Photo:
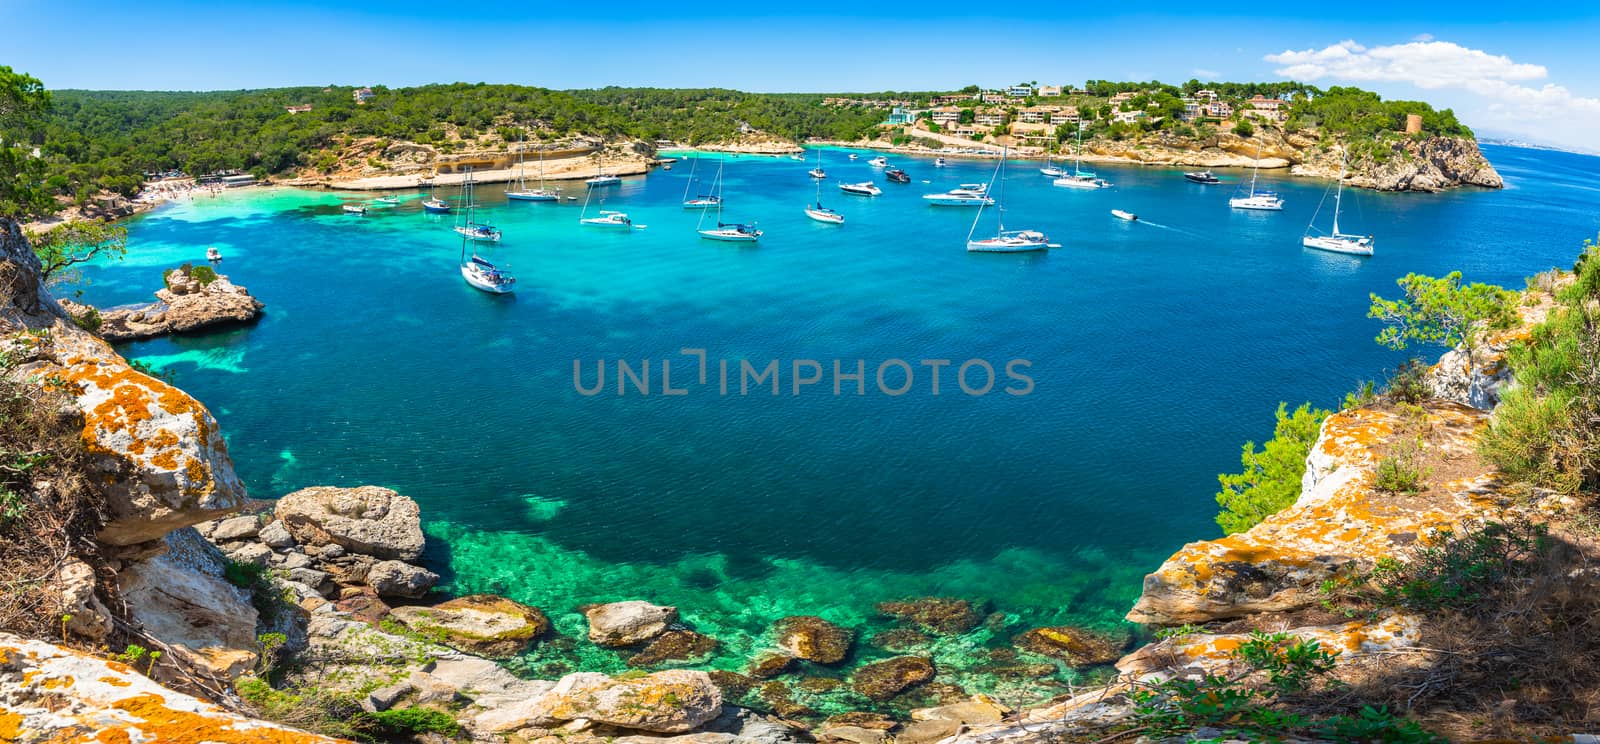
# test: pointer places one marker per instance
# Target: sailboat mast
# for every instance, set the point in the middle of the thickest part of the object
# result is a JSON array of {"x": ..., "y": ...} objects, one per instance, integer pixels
[
  {"x": 1338, "y": 195},
  {"x": 694, "y": 164},
  {"x": 1255, "y": 171}
]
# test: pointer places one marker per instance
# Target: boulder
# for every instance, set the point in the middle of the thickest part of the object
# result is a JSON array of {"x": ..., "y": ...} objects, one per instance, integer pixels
[
  {"x": 980, "y": 709},
  {"x": 673, "y": 701},
  {"x": 251, "y": 553},
  {"x": 884, "y": 679},
  {"x": 183, "y": 306},
  {"x": 89, "y": 617},
  {"x": 1074, "y": 646},
  {"x": 397, "y": 579},
  {"x": 48, "y": 693},
  {"x": 627, "y": 623},
  {"x": 234, "y": 529},
  {"x": 368, "y": 519},
  {"x": 767, "y": 666},
  {"x": 674, "y": 646},
  {"x": 926, "y": 732},
  {"x": 275, "y": 535},
  {"x": 942, "y": 615},
  {"x": 207, "y": 621},
  {"x": 813, "y": 639},
  {"x": 482, "y": 624}
]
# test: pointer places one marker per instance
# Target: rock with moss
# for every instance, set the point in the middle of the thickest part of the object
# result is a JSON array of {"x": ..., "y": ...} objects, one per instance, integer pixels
[
  {"x": 942, "y": 615},
  {"x": 811, "y": 638},
  {"x": 680, "y": 646},
  {"x": 622, "y": 624},
  {"x": 1074, "y": 646},
  {"x": 482, "y": 624},
  {"x": 769, "y": 665},
  {"x": 191, "y": 301},
  {"x": 672, "y": 701},
  {"x": 884, "y": 679}
]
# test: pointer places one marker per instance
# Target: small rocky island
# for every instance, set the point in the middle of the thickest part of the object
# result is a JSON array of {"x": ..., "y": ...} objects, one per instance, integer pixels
[{"x": 195, "y": 298}]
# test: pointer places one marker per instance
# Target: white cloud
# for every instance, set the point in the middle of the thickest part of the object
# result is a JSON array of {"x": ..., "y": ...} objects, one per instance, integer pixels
[
  {"x": 1504, "y": 86},
  {"x": 1422, "y": 37}
]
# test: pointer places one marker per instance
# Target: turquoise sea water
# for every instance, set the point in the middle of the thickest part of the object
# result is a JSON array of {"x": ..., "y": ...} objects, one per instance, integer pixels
[{"x": 1157, "y": 348}]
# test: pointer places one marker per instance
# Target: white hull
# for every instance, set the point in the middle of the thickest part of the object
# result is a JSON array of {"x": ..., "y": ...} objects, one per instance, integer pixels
[
  {"x": 1052, "y": 172},
  {"x": 355, "y": 210},
  {"x": 1005, "y": 245},
  {"x": 878, "y": 162},
  {"x": 1355, "y": 246},
  {"x": 1121, "y": 215},
  {"x": 860, "y": 189},
  {"x": 818, "y": 173},
  {"x": 728, "y": 236},
  {"x": 532, "y": 196},
  {"x": 702, "y": 203},
  {"x": 481, "y": 280},
  {"x": 1073, "y": 182},
  {"x": 830, "y": 217},
  {"x": 603, "y": 222},
  {"x": 1261, "y": 203},
  {"x": 945, "y": 200},
  {"x": 603, "y": 181},
  {"x": 481, "y": 237}
]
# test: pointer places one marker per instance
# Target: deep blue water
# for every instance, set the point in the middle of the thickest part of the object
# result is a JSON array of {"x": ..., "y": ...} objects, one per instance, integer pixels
[{"x": 1157, "y": 348}]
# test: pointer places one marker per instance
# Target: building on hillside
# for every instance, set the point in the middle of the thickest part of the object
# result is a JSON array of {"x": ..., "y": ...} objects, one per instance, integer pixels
[
  {"x": 1019, "y": 91},
  {"x": 989, "y": 117},
  {"x": 1123, "y": 97},
  {"x": 1036, "y": 114},
  {"x": 963, "y": 130},
  {"x": 1262, "y": 107},
  {"x": 901, "y": 116},
  {"x": 1218, "y": 110},
  {"x": 992, "y": 96},
  {"x": 1129, "y": 117},
  {"x": 1206, "y": 95},
  {"x": 362, "y": 95},
  {"x": 1192, "y": 109},
  {"x": 952, "y": 98},
  {"x": 301, "y": 109},
  {"x": 1049, "y": 91},
  {"x": 1413, "y": 124},
  {"x": 1064, "y": 115},
  {"x": 945, "y": 115}
]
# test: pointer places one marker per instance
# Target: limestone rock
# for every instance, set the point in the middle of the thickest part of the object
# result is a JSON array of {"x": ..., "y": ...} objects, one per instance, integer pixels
[
  {"x": 1212, "y": 652},
  {"x": 1074, "y": 646},
  {"x": 768, "y": 666},
  {"x": 49, "y": 693},
  {"x": 183, "y": 306},
  {"x": 926, "y": 732},
  {"x": 397, "y": 579},
  {"x": 275, "y": 535},
  {"x": 884, "y": 679},
  {"x": 252, "y": 553},
  {"x": 482, "y": 624},
  {"x": 234, "y": 529},
  {"x": 814, "y": 639},
  {"x": 674, "y": 646},
  {"x": 628, "y": 623},
  {"x": 673, "y": 701},
  {"x": 90, "y": 617},
  {"x": 203, "y": 617},
  {"x": 942, "y": 615},
  {"x": 369, "y": 520},
  {"x": 980, "y": 709}
]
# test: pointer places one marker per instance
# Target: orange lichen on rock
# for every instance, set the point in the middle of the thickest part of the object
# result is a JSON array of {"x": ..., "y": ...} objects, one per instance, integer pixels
[
  {"x": 1211, "y": 652},
  {"x": 154, "y": 719},
  {"x": 114, "y": 681}
]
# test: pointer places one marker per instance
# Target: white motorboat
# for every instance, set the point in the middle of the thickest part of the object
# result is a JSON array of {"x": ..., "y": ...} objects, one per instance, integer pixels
[
  {"x": 1121, "y": 215},
  {"x": 865, "y": 188},
  {"x": 967, "y": 195},
  {"x": 879, "y": 162},
  {"x": 607, "y": 218},
  {"x": 1337, "y": 242},
  {"x": 940, "y": 162},
  {"x": 388, "y": 201},
  {"x": 354, "y": 209},
  {"x": 1265, "y": 201},
  {"x": 854, "y": 156},
  {"x": 1004, "y": 241},
  {"x": 213, "y": 255}
]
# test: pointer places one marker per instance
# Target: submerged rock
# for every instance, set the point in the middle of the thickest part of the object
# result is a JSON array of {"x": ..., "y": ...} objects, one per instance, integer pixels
[
  {"x": 674, "y": 645},
  {"x": 1074, "y": 646},
  {"x": 629, "y": 623},
  {"x": 482, "y": 624},
  {"x": 767, "y": 666},
  {"x": 368, "y": 520},
  {"x": 672, "y": 701},
  {"x": 885, "y": 679},
  {"x": 942, "y": 615},
  {"x": 811, "y": 638}
]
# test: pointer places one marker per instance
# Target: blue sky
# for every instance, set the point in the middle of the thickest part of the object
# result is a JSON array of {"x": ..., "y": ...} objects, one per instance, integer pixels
[{"x": 1526, "y": 70}]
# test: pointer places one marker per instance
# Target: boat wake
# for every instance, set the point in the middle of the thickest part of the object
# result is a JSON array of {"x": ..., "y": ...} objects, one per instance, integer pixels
[{"x": 1148, "y": 223}]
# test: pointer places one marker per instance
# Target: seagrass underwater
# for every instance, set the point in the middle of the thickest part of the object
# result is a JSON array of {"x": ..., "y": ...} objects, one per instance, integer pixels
[{"x": 892, "y": 377}]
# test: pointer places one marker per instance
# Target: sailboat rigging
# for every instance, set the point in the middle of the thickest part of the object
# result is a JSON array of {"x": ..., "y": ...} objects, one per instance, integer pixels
[
  {"x": 1260, "y": 200},
  {"x": 522, "y": 192},
  {"x": 1004, "y": 241},
  {"x": 470, "y": 228},
  {"x": 1338, "y": 242}
]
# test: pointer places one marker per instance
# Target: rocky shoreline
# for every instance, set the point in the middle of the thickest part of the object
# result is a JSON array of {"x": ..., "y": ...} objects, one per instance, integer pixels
[{"x": 191, "y": 302}]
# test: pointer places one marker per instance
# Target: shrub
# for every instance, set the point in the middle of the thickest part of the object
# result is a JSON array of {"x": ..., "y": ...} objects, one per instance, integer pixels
[
  {"x": 1546, "y": 430},
  {"x": 1361, "y": 397},
  {"x": 1244, "y": 128},
  {"x": 1402, "y": 471},
  {"x": 321, "y": 711},
  {"x": 1409, "y": 383},
  {"x": 407, "y": 722},
  {"x": 1375, "y": 724},
  {"x": 89, "y": 321},
  {"x": 1457, "y": 571},
  {"x": 1271, "y": 477},
  {"x": 243, "y": 575}
]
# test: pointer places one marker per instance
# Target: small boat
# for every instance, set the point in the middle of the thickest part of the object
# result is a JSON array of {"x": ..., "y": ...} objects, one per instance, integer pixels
[
  {"x": 854, "y": 156},
  {"x": 387, "y": 200},
  {"x": 354, "y": 209},
  {"x": 823, "y": 214},
  {"x": 732, "y": 232},
  {"x": 484, "y": 275},
  {"x": 968, "y": 195},
  {"x": 702, "y": 201},
  {"x": 798, "y": 156},
  {"x": 940, "y": 162},
  {"x": 522, "y": 192},
  {"x": 879, "y": 162},
  {"x": 1050, "y": 170},
  {"x": 1121, "y": 215},
  {"x": 607, "y": 218},
  {"x": 435, "y": 205},
  {"x": 213, "y": 255},
  {"x": 1004, "y": 241},
  {"x": 1204, "y": 176},
  {"x": 1337, "y": 242},
  {"x": 1080, "y": 178},
  {"x": 470, "y": 228},
  {"x": 897, "y": 175},
  {"x": 601, "y": 179},
  {"x": 865, "y": 188},
  {"x": 1265, "y": 201},
  {"x": 818, "y": 172}
]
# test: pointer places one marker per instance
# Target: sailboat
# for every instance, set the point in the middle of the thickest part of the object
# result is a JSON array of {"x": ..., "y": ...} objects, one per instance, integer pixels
[
  {"x": 601, "y": 179},
  {"x": 607, "y": 218},
  {"x": 1359, "y": 245},
  {"x": 732, "y": 232},
  {"x": 818, "y": 172},
  {"x": 522, "y": 192},
  {"x": 1050, "y": 169},
  {"x": 470, "y": 228},
  {"x": 1005, "y": 241},
  {"x": 821, "y": 213},
  {"x": 482, "y": 274},
  {"x": 1261, "y": 200},
  {"x": 1080, "y": 178},
  {"x": 702, "y": 201}
]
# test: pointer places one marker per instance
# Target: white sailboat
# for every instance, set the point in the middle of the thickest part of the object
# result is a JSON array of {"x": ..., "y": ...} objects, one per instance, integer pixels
[
  {"x": 1338, "y": 242},
  {"x": 522, "y": 192},
  {"x": 729, "y": 232},
  {"x": 1005, "y": 241},
  {"x": 607, "y": 218},
  {"x": 1080, "y": 178},
  {"x": 601, "y": 179},
  {"x": 470, "y": 228},
  {"x": 1050, "y": 170},
  {"x": 482, "y": 274},
  {"x": 1266, "y": 201},
  {"x": 818, "y": 172},
  {"x": 702, "y": 201},
  {"x": 823, "y": 214}
]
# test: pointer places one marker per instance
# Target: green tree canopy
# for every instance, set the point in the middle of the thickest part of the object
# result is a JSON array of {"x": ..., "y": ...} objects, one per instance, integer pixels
[
  {"x": 1442, "y": 311},
  {"x": 23, "y": 100},
  {"x": 1270, "y": 481},
  {"x": 77, "y": 242}
]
